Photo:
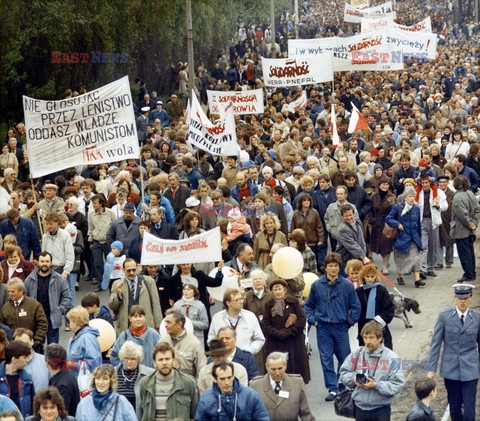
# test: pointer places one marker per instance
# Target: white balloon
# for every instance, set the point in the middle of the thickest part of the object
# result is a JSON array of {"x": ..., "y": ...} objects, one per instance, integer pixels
[
  {"x": 287, "y": 262},
  {"x": 230, "y": 280},
  {"x": 188, "y": 327}
]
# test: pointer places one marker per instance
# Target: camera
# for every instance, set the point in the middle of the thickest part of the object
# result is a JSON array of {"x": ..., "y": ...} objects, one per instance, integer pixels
[{"x": 361, "y": 378}]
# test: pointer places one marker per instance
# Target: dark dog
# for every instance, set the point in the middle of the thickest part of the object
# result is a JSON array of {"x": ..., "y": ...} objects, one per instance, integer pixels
[{"x": 402, "y": 305}]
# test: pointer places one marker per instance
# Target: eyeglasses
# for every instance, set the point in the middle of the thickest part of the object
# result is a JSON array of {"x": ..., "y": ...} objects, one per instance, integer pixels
[{"x": 130, "y": 270}]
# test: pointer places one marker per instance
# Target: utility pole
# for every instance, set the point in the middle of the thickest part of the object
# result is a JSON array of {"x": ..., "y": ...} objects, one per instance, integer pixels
[
  {"x": 191, "y": 68},
  {"x": 272, "y": 24},
  {"x": 296, "y": 18}
]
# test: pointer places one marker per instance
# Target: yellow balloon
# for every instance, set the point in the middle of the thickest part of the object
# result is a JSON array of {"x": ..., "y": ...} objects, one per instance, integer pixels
[
  {"x": 107, "y": 333},
  {"x": 287, "y": 262},
  {"x": 309, "y": 278}
]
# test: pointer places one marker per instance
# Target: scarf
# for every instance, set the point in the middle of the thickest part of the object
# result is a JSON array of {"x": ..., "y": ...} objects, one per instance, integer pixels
[
  {"x": 138, "y": 331},
  {"x": 406, "y": 209},
  {"x": 188, "y": 300},
  {"x": 370, "y": 314},
  {"x": 278, "y": 308},
  {"x": 100, "y": 400}
]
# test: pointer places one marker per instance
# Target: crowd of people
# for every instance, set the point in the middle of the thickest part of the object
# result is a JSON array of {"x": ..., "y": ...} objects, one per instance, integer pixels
[{"x": 407, "y": 185}]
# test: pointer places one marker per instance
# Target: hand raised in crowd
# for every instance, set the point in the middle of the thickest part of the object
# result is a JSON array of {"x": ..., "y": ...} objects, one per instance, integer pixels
[
  {"x": 119, "y": 288},
  {"x": 221, "y": 264}
]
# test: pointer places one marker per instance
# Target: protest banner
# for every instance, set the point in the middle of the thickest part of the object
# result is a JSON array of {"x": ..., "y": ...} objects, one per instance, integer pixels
[
  {"x": 354, "y": 15},
  {"x": 374, "y": 24},
  {"x": 301, "y": 102},
  {"x": 311, "y": 47},
  {"x": 419, "y": 44},
  {"x": 290, "y": 72},
  {"x": 219, "y": 138},
  {"x": 244, "y": 102},
  {"x": 88, "y": 129},
  {"x": 375, "y": 41},
  {"x": 360, "y": 4},
  {"x": 358, "y": 61},
  {"x": 204, "y": 247}
]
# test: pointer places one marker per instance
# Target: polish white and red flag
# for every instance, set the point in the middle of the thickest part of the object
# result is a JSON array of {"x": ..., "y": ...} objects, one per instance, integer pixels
[
  {"x": 357, "y": 121},
  {"x": 333, "y": 128}
]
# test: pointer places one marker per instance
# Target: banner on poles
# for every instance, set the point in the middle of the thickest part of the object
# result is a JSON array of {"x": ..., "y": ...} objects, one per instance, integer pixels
[
  {"x": 244, "y": 102},
  {"x": 92, "y": 128},
  {"x": 204, "y": 247},
  {"x": 374, "y": 24},
  {"x": 219, "y": 138},
  {"x": 354, "y": 15},
  {"x": 418, "y": 44},
  {"x": 292, "y": 72}
]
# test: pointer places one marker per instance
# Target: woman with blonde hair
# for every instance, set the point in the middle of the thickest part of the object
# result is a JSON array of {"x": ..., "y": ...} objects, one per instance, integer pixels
[
  {"x": 83, "y": 347},
  {"x": 104, "y": 403},
  {"x": 268, "y": 235}
]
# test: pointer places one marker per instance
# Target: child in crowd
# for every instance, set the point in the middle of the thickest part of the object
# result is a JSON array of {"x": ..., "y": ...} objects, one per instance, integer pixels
[
  {"x": 9, "y": 240},
  {"x": 91, "y": 302},
  {"x": 425, "y": 171},
  {"x": 237, "y": 227},
  {"x": 113, "y": 266},
  {"x": 352, "y": 269},
  {"x": 426, "y": 391},
  {"x": 194, "y": 309}
]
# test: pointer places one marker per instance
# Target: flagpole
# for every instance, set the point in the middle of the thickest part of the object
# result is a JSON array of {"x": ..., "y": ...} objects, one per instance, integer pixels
[{"x": 36, "y": 203}]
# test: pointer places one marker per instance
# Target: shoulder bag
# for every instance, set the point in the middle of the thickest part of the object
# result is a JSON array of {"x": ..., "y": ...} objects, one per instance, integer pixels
[{"x": 390, "y": 232}]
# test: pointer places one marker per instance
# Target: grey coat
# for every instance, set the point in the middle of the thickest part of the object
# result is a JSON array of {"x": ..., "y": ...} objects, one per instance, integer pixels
[
  {"x": 455, "y": 365},
  {"x": 465, "y": 212},
  {"x": 351, "y": 244},
  {"x": 280, "y": 408},
  {"x": 118, "y": 231},
  {"x": 58, "y": 295}
]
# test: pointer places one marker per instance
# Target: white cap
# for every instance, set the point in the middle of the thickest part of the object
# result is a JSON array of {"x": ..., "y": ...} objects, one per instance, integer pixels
[
  {"x": 191, "y": 202},
  {"x": 145, "y": 109}
]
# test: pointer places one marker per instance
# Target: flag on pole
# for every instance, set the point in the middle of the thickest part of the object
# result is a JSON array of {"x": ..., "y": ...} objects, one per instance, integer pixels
[
  {"x": 333, "y": 127},
  {"x": 357, "y": 120}
]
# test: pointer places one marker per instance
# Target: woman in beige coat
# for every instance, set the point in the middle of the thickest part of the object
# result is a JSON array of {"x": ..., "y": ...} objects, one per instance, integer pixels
[{"x": 268, "y": 235}]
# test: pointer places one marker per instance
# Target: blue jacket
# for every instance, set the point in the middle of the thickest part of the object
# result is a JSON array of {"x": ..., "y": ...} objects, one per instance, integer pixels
[
  {"x": 234, "y": 192},
  {"x": 104, "y": 314},
  {"x": 147, "y": 341},
  {"x": 193, "y": 178},
  {"x": 161, "y": 115},
  {"x": 321, "y": 202},
  {"x": 242, "y": 404},
  {"x": 84, "y": 346},
  {"x": 472, "y": 176},
  {"x": 86, "y": 410},
  {"x": 332, "y": 303},
  {"x": 27, "y": 391},
  {"x": 26, "y": 235},
  {"x": 169, "y": 213},
  {"x": 412, "y": 228}
]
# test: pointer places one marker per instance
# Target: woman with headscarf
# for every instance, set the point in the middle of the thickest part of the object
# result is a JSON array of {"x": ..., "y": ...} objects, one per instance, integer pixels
[{"x": 405, "y": 216}]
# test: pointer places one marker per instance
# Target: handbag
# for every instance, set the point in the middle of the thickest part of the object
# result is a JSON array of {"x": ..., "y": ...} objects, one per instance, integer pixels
[
  {"x": 343, "y": 404},
  {"x": 83, "y": 380},
  {"x": 391, "y": 232}
]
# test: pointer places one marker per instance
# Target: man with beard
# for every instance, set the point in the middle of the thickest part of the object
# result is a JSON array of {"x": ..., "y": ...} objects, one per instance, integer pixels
[
  {"x": 51, "y": 290},
  {"x": 243, "y": 188},
  {"x": 167, "y": 393}
]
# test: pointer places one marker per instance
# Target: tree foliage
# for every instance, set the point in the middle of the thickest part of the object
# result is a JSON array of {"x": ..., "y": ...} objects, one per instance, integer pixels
[{"x": 152, "y": 33}]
